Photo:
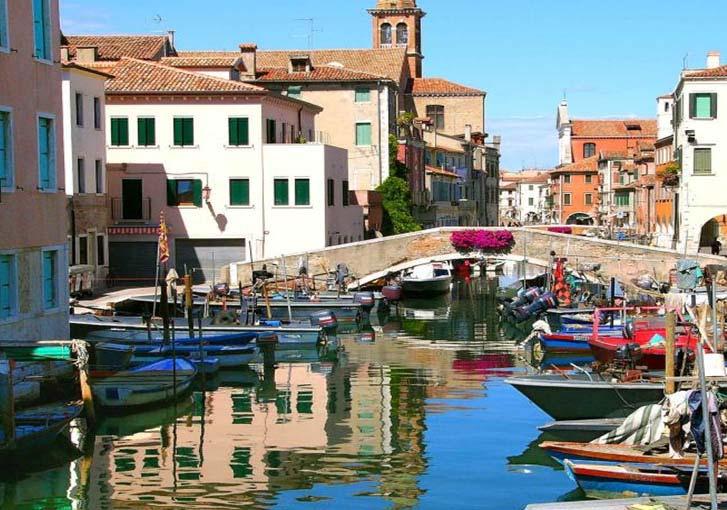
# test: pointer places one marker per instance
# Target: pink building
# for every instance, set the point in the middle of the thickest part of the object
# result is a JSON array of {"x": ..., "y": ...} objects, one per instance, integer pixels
[{"x": 33, "y": 269}]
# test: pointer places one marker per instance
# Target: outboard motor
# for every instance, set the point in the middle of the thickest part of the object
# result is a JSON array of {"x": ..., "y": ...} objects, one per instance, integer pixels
[
  {"x": 225, "y": 318},
  {"x": 628, "y": 355},
  {"x": 365, "y": 299},
  {"x": 325, "y": 319},
  {"x": 392, "y": 293}
]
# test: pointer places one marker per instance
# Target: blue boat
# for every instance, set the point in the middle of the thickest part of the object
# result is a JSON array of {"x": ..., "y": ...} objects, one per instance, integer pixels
[
  {"x": 37, "y": 428},
  {"x": 136, "y": 338},
  {"x": 228, "y": 356},
  {"x": 611, "y": 480}
]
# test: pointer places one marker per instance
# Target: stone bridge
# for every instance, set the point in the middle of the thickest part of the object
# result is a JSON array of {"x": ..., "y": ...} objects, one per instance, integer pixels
[{"x": 534, "y": 244}]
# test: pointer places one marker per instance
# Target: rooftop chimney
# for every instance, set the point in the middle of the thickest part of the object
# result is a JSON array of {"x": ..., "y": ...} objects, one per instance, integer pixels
[
  {"x": 86, "y": 54},
  {"x": 713, "y": 59},
  {"x": 248, "y": 52}
]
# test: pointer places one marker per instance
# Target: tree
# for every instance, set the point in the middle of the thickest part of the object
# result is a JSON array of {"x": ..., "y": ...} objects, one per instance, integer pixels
[{"x": 396, "y": 199}]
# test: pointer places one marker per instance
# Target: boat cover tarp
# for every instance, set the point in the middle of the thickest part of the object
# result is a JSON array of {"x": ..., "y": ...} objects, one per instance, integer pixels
[{"x": 165, "y": 365}]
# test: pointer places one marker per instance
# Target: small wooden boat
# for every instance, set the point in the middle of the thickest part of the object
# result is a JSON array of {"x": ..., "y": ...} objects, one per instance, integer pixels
[
  {"x": 36, "y": 428},
  {"x": 144, "y": 385},
  {"x": 653, "y": 356},
  {"x": 205, "y": 365},
  {"x": 427, "y": 279},
  {"x": 608, "y": 481},
  {"x": 584, "y": 396},
  {"x": 137, "y": 338},
  {"x": 111, "y": 356},
  {"x": 228, "y": 356}
]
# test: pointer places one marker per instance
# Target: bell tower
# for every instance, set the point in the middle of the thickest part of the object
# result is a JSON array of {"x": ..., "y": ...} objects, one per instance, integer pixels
[{"x": 398, "y": 23}]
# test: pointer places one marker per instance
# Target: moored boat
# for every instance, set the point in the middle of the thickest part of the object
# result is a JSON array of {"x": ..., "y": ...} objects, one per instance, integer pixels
[
  {"x": 227, "y": 356},
  {"x": 642, "y": 348},
  {"x": 130, "y": 337},
  {"x": 36, "y": 428},
  {"x": 427, "y": 279}
]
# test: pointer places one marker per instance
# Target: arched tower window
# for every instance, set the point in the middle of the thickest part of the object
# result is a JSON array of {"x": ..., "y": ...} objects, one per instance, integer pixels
[
  {"x": 385, "y": 33},
  {"x": 402, "y": 33}
]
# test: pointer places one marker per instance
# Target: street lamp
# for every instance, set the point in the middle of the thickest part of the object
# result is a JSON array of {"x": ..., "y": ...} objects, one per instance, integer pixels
[{"x": 206, "y": 194}]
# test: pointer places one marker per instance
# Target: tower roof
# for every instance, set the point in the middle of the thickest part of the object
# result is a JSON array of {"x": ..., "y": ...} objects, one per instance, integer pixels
[{"x": 395, "y": 4}]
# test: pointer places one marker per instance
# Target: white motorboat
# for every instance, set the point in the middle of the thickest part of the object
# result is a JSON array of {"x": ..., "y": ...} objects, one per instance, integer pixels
[{"x": 427, "y": 279}]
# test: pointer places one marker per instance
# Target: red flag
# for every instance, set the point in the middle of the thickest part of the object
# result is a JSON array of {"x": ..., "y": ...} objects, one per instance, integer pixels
[{"x": 163, "y": 239}]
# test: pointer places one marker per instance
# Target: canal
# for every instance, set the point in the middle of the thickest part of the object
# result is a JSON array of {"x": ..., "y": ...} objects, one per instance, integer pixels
[{"x": 413, "y": 414}]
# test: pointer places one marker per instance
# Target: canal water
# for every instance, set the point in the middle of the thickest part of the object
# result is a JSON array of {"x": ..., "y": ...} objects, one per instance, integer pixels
[{"x": 412, "y": 414}]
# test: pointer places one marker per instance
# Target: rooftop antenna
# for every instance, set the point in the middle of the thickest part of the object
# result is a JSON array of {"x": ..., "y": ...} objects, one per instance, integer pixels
[
  {"x": 565, "y": 94},
  {"x": 312, "y": 30},
  {"x": 685, "y": 61},
  {"x": 157, "y": 19}
]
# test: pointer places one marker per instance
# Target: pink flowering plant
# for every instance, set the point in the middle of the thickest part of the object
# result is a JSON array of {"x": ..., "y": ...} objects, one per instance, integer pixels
[{"x": 485, "y": 241}]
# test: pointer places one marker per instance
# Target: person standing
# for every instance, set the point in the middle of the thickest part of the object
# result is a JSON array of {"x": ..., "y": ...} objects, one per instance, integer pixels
[{"x": 716, "y": 246}]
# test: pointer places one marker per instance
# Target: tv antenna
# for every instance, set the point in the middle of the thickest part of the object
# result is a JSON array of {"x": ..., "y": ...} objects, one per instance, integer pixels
[
  {"x": 157, "y": 19},
  {"x": 312, "y": 30},
  {"x": 685, "y": 61}
]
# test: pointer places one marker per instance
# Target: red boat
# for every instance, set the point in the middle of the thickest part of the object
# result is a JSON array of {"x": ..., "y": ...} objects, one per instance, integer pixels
[{"x": 653, "y": 355}]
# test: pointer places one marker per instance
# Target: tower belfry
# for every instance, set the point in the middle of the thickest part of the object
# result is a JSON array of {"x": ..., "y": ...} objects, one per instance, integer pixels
[{"x": 398, "y": 23}]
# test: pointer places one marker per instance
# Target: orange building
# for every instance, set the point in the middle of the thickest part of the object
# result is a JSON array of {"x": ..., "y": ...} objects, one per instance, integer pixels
[{"x": 574, "y": 192}]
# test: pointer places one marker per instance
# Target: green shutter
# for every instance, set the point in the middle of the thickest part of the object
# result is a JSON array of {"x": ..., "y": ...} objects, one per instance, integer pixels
[
  {"x": 124, "y": 131},
  {"x": 363, "y": 95},
  {"x": 243, "y": 131},
  {"x": 280, "y": 189},
  {"x": 44, "y": 153},
  {"x": 120, "y": 132},
  {"x": 5, "y": 291},
  {"x": 702, "y": 106},
  {"x": 238, "y": 128},
  {"x": 363, "y": 133},
  {"x": 344, "y": 193},
  {"x": 4, "y": 146},
  {"x": 146, "y": 131},
  {"x": 232, "y": 132},
  {"x": 172, "y": 199},
  {"x": 302, "y": 192},
  {"x": 702, "y": 161},
  {"x": 188, "y": 132},
  {"x": 49, "y": 279},
  {"x": 197, "y": 190},
  {"x": 178, "y": 132},
  {"x": 141, "y": 132},
  {"x": 3, "y": 24},
  {"x": 114, "y": 132},
  {"x": 239, "y": 192},
  {"x": 713, "y": 104},
  {"x": 39, "y": 29}
]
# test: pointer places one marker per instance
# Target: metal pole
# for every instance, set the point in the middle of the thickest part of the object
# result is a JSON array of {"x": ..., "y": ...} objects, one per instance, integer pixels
[
  {"x": 287, "y": 290},
  {"x": 716, "y": 339},
  {"x": 188, "y": 303},
  {"x": 708, "y": 428},
  {"x": 156, "y": 286},
  {"x": 669, "y": 346}
]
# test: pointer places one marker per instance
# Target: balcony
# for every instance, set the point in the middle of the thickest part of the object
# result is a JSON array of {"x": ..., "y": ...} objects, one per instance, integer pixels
[{"x": 131, "y": 211}]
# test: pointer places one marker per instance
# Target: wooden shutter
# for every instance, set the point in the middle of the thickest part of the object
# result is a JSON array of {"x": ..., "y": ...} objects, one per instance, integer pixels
[
  {"x": 141, "y": 129},
  {"x": 123, "y": 131},
  {"x": 281, "y": 191},
  {"x": 239, "y": 192},
  {"x": 172, "y": 199},
  {"x": 39, "y": 28},
  {"x": 692, "y": 105},
  {"x": 243, "y": 131},
  {"x": 713, "y": 105},
  {"x": 302, "y": 192},
  {"x": 702, "y": 161},
  {"x": 43, "y": 153},
  {"x": 188, "y": 138},
  {"x": 178, "y": 132},
  {"x": 232, "y": 129},
  {"x": 344, "y": 192},
  {"x": 4, "y": 145},
  {"x": 5, "y": 275},
  {"x": 197, "y": 190},
  {"x": 49, "y": 279}
]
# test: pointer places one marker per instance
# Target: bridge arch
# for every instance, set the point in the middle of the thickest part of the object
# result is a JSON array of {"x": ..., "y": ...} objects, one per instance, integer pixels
[{"x": 580, "y": 218}]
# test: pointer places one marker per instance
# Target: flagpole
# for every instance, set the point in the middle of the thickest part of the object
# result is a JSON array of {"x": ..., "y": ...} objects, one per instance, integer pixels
[{"x": 156, "y": 285}]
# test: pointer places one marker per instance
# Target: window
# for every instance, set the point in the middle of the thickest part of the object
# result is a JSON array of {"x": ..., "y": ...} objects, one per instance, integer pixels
[
  {"x": 81, "y": 175},
  {"x": 363, "y": 133},
  {"x": 566, "y": 179},
  {"x": 238, "y": 131},
  {"x": 183, "y": 131},
  {"x": 402, "y": 34},
  {"x": 702, "y": 161},
  {"x": 385, "y": 34},
  {"x": 99, "y": 178},
  {"x": 42, "y": 29},
  {"x": 83, "y": 250},
  {"x": 97, "y": 113},
  {"x": 270, "y": 131},
  {"x": 436, "y": 113},
  {"x": 119, "y": 131},
  {"x": 46, "y": 154},
  {"x": 8, "y": 284},
  {"x": 300, "y": 65},
  {"x": 531, "y": 201},
  {"x": 363, "y": 95},
  {"x": 4, "y": 43},
  {"x": 330, "y": 193},
  {"x": 589, "y": 150},
  {"x": 702, "y": 106},
  {"x": 79, "y": 109},
  {"x": 666, "y": 106},
  {"x": 184, "y": 192},
  {"x": 6, "y": 149},
  {"x": 344, "y": 192},
  {"x": 588, "y": 179},
  {"x": 283, "y": 132},
  {"x": 622, "y": 199},
  {"x": 530, "y": 186},
  {"x": 239, "y": 191},
  {"x": 280, "y": 191},
  {"x": 302, "y": 192},
  {"x": 100, "y": 250},
  {"x": 294, "y": 91},
  {"x": 566, "y": 199},
  {"x": 588, "y": 199},
  {"x": 50, "y": 277},
  {"x": 146, "y": 131}
]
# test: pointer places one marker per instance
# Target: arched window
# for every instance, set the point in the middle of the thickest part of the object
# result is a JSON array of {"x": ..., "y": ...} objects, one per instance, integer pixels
[
  {"x": 386, "y": 33},
  {"x": 589, "y": 149},
  {"x": 402, "y": 34}
]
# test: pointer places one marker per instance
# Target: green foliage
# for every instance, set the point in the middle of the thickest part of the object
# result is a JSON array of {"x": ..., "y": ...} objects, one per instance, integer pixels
[
  {"x": 397, "y": 207},
  {"x": 396, "y": 167}
]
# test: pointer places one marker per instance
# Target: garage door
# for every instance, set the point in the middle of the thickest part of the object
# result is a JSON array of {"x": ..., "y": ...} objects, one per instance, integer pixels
[
  {"x": 206, "y": 257},
  {"x": 132, "y": 263}
]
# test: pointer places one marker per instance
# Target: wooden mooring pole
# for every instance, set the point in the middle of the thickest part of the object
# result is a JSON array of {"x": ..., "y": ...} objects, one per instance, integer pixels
[
  {"x": 7, "y": 402},
  {"x": 671, "y": 322}
]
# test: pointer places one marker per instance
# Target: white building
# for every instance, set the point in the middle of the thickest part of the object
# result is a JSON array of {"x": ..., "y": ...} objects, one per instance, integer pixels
[
  {"x": 532, "y": 192},
  {"x": 700, "y": 122},
  {"x": 211, "y": 153},
  {"x": 84, "y": 144}
]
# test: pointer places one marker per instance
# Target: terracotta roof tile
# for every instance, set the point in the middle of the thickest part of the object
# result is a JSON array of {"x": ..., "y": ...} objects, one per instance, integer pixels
[
  {"x": 588, "y": 165},
  {"x": 317, "y": 74},
  {"x": 441, "y": 87},
  {"x": 614, "y": 128},
  {"x": 440, "y": 171},
  {"x": 142, "y": 77},
  {"x": 113, "y": 47},
  {"x": 716, "y": 72},
  {"x": 223, "y": 61}
]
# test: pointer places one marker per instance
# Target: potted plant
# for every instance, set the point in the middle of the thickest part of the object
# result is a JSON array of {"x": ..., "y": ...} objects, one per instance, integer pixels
[{"x": 670, "y": 174}]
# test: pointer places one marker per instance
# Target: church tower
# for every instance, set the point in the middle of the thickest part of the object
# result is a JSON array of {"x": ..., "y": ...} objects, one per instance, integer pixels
[{"x": 398, "y": 23}]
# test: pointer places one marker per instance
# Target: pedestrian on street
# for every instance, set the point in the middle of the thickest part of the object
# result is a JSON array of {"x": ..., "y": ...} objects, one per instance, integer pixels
[{"x": 716, "y": 246}]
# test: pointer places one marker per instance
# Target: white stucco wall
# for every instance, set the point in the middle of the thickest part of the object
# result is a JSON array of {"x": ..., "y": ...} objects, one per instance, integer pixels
[{"x": 701, "y": 196}]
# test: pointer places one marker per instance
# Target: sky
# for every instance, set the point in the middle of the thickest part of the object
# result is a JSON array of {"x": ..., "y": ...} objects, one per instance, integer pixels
[{"x": 610, "y": 59}]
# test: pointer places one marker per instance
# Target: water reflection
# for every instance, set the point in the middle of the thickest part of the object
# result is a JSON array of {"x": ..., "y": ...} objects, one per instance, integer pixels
[{"x": 408, "y": 413}]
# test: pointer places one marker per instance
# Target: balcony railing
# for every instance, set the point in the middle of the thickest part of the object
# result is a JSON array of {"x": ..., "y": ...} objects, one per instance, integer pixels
[{"x": 139, "y": 212}]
